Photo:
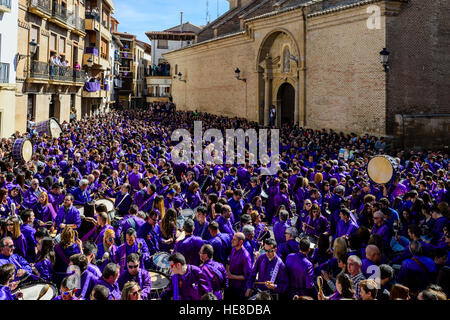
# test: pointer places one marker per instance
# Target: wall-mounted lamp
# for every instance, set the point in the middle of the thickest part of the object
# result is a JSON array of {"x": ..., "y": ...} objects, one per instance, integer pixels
[
  {"x": 384, "y": 56},
  {"x": 237, "y": 72},
  {"x": 90, "y": 62},
  {"x": 180, "y": 75},
  {"x": 33, "y": 49}
]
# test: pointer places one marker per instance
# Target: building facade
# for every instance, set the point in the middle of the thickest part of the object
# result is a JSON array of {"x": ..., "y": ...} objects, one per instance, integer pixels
[
  {"x": 8, "y": 57},
  {"x": 318, "y": 62},
  {"x": 46, "y": 86},
  {"x": 96, "y": 92},
  {"x": 159, "y": 79}
]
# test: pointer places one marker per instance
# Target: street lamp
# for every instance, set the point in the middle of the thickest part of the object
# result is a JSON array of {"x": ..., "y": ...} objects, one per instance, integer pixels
[
  {"x": 384, "y": 56},
  {"x": 90, "y": 62},
  {"x": 33, "y": 49},
  {"x": 237, "y": 72}
]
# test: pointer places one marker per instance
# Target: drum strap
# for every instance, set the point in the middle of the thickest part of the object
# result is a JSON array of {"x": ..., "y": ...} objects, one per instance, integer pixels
[
  {"x": 212, "y": 268},
  {"x": 176, "y": 294},
  {"x": 143, "y": 205},
  {"x": 52, "y": 210},
  {"x": 275, "y": 269},
  {"x": 126, "y": 195},
  {"x": 61, "y": 254}
]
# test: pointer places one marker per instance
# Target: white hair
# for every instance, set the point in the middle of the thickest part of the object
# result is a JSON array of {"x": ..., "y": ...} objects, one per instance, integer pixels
[{"x": 84, "y": 182}]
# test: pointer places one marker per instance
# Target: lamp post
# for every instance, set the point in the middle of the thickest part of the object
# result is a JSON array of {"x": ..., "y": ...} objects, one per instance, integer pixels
[
  {"x": 384, "y": 57},
  {"x": 180, "y": 75}
]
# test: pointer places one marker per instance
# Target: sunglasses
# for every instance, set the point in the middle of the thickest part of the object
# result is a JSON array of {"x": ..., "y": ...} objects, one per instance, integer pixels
[
  {"x": 111, "y": 239},
  {"x": 10, "y": 246},
  {"x": 308, "y": 204},
  {"x": 135, "y": 293},
  {"x": 66, "y": 293},
  {"x": 133, "y": 267},
  {"x": 271, "y": 250}
]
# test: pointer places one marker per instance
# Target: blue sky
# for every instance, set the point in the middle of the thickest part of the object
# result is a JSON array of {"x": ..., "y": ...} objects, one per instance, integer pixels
[{"x": 139, "y": 16}]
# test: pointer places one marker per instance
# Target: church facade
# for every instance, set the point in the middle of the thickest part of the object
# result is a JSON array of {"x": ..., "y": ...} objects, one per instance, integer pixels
[{"x": 318, "y": 62}]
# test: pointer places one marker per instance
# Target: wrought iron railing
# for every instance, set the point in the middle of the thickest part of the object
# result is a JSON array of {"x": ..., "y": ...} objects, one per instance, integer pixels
[
  {"x": 43, "y": 5},
  {"x": 39, "y": 70},
  {"x": 4, "y": 72},
  {"x": 5, "y": 3}
]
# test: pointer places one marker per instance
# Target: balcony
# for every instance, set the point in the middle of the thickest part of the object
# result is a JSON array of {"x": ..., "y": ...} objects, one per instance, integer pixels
[
  {"x": 5, "y": 5},
  {"x": 80, "y": 26},
  {"x": 4, "y": 72},
  {"x": 91, "y": 52},
  {"x": 126, "y": 55},
  {"x": 92, "y": 22},
  {"x": 40, "y": 8},
  {"x": 95, "y": 90},
  {"x": 62, "y": 17},
  {"x": 104, "y": 30},
  {"x": 42, "y": 72},
  {"x": 104, "y": 63}
]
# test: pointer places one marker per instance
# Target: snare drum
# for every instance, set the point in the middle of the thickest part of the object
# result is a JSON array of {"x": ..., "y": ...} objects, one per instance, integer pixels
[
  {"x": 184, "y": 215},
  {"x": 159, "y": 283},
  {"x": 32, "y": 290},
  {"x": 109, "y": 207},
  {"x": 49, "y": 127},
  {"x": 22, "y": 150},
  {"x": 161, "y": 262},
  {"x": 382, "y": 169}
]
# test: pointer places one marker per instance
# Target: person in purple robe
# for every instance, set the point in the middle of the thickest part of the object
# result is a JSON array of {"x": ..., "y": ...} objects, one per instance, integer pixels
[
  {"x": 28, "y": 232},
  {"x": 129, "y": 221},
  {"x": 344, "y": 289},
  {"x": 190, "y": 246},
  {"x": 201, "y": 224},
  {"x": 439, "y": 224},
  {"x": 131, "y": 245},
  {"x": 236, "y": 204},
  {"x": 282, "y": 198},
  {"x": 193, "y": 197},
  {"x": 280, "y": 227},
  {"x": 134, "y": 177},
  {"x": 221, "y": 242},
  {"x": 224, "y": 220},
  {"x": 145, "y": 197},
  {"x": 106, "y": 251},
  {"x": 31, "y": 195},
  {"x": 137, "y": 274},
  {"x": 81, "y": 195},
  {"x": 290, "y": 245},
  {"x": 214, "y": 271},
  {"x": 381, "y": 228},
  {"x": 345, "y": 226},
  {"x": 300, "y": 271},
  {"x": 239, "y": 269},
  {"x": 370, "y": 263},
  {"x": 96, "y": 234},
  {"x": 7, "y": 272},
  {"x": 42, "y": 212},
  {"x": 55, "y": 196},
  {"x": 254, "y": 190},
  {"x": 270, "y": 270},
  {"x": 45, "y": 261},
  {"x": 188, "y": 282},
  {"x": 87, "y": 278},
  {"x": 316, "y": 224},
  {"x": 68, "y": 215},
  {"x": 23, "y": 268},
  {"x": 109, "y": 278},
  {"x": 13, "y": 230},
  {"x": 68, "y": 245}
]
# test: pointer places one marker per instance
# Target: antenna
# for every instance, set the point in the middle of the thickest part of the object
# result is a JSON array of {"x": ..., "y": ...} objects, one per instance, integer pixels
[
  {"x": 217, "y": 8},
  {"x": 207, "y": 11}
]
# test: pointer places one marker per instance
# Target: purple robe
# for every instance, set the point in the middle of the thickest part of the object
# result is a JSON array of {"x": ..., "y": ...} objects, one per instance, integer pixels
[
  {"x": 216, "y": 273},
  {"x": 114, "y": 291},
  {"x": 69, "y": 216},
  {"x": 263, "y": 271},
  {"x": 190, "y": 247},
  {"x": 143, "y": 279},
  {"x": 240, "y": 265},
  {"x": 301, "y": 275},
  {"x": 191, "y": 286}
]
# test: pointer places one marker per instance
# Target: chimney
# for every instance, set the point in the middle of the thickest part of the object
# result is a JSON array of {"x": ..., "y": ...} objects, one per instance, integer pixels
[{"x": 181, "y": 24}]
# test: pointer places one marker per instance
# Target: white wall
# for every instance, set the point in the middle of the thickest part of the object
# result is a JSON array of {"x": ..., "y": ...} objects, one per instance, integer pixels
[
  {"x": 8, "y": 31},
  {"x": 157, "y": 53}
]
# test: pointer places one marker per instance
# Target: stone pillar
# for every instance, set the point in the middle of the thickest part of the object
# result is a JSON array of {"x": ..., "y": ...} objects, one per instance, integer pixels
[
  {"x": 266, "y": 99},
  {"x": 296, "y": 103}
]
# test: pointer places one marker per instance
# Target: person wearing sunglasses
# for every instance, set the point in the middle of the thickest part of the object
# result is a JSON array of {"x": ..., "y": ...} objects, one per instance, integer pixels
[
  {"x": 131, "y": 291},
  {"x": 68, "y": 289},
  {"x": 188, "y": 282},
  {"x": 23, "y": 268},
  {"x": 151, "y": 232},
  {"x": 214, "y": 271},
  {"x": 269, "y": 272},
  {"x": 134, "y": 273}
]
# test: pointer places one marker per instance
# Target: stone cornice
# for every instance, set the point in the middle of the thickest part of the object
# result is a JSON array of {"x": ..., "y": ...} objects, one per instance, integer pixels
[{"x": 23, "y": 24}]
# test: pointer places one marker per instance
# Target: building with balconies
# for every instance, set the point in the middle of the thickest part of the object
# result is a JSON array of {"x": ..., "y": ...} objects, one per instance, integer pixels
[
  {"x": 8, "y": 45},
  {"x": 158, "y": 77},
  {"x": 96, "y": 98},
  {"x": 48, "y": 86}
]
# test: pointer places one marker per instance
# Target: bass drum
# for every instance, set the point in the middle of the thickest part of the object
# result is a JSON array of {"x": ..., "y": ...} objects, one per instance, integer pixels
[
  {"x": 382, "y": 169},
  {"x": 49, "y": 127},
  {"x": 32, "y": 290},
  {"x": 160, "y": 282},
  {"x": 109, "y": 204},
  {"x": 22, "y": 150}
]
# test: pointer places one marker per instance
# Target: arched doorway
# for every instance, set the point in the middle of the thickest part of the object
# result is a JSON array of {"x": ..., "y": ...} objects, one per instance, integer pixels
[{"x": 286, "y": 100}]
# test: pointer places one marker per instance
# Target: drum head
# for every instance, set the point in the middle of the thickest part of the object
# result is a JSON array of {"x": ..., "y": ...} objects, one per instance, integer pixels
[
  {"x": 159, "y": 280},
  {"x": 31, "y": 291},
  {"x": 161, "y": 259},
  {"x": 55, "y": 128},
  {"x": 108, "y": 203},
  {"x": 27, "y": 150},
  {"x": 380, "y": 170},
  {"x": 80, "y": 209},
  {"x": 187, "y": 213}
]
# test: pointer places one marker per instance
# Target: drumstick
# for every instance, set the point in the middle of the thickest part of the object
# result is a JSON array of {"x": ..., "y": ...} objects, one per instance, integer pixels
[
  {"x": 44, "y": 290},
  {"x": 305, "y": 224},
  {"x": 320, "y": 284}
]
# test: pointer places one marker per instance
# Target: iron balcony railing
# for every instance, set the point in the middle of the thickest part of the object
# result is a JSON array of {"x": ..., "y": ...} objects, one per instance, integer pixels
[
  {"x": 80, "y": 24},
  {"x": 78, "y": 76},
  {"x": 5, "y": 3},
  {"x": 43, "y": 5},
  {"x": 4, "y": 72},
  {"x": 39, "y": 70}
]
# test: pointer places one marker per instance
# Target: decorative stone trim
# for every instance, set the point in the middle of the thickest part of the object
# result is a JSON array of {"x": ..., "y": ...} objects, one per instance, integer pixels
[{"x": 23, "y": 24}]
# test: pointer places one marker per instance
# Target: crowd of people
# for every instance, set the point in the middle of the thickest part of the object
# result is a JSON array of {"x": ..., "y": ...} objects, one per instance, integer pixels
[{"x": 318, "y": 229}]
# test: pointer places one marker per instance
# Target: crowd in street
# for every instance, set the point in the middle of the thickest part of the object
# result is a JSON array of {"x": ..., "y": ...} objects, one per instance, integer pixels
[{"x": 318, "y": 229}]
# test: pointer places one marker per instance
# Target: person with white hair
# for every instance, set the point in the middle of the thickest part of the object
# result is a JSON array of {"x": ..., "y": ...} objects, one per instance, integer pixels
[
  {"x": 250, "y": 243},
  {"x": 81, "y": 194},
  {"x": 354, "y": 269},
  {"x": 291, "y": 244}
]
